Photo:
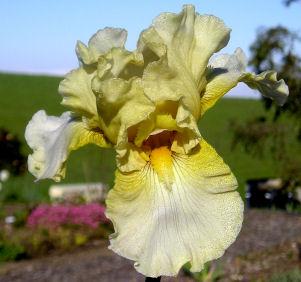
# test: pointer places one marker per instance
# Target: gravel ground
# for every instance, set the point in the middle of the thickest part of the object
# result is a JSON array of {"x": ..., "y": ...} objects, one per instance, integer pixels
[
  {"x": 264, "y": 229},
  {"x": 269, "y": 242},
  {"x": 261, "y": 230}
]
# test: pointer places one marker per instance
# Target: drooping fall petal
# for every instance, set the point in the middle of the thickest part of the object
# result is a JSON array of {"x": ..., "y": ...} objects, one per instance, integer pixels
[
  {"x": 52, "y": 139},
  {"x": 226, "y": 71},
  {"x": 195, "y": 221}
]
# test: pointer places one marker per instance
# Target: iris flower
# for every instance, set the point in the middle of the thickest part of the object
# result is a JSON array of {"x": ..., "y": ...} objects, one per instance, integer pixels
[{"x": 174, "y": 199}]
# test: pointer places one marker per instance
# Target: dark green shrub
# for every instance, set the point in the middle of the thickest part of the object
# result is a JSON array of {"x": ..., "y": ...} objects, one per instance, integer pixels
[
  {"x": 21, "y": 217},
  {"x": 10, "y": 151},
  {"x": 11, "y": 252}
]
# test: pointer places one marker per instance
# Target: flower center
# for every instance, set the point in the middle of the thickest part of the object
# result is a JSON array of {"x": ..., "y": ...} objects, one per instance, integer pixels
[
  {"x": 161, "y": 160},
  {"x": 163, "y": 138},
  {"x": 161, "y": 155}
]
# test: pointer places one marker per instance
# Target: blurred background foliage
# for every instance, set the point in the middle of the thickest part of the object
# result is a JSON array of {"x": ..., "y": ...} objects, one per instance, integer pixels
[
  {"x": 278, "y": 131},
  {"x": 12, "y": 158},
  {"x": 289, "y": 2}
]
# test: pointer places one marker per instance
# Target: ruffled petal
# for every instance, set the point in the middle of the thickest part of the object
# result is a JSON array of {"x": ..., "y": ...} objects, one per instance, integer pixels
[
  {"x": 129, "y": 158},
  {"x": 190, "y": 135},
  {"x": 120, "y": 63},
  {"x": 268, "y": 85},
  {"x": 121, "y": 104},
  {"x": 52, "y": 139},
  {"x": 184, "y": 43},
  {"x": 99, "y": 44},
  {"x": 225, "y": 71},
  {"x": 78, "y": 95},
  {"x": 162, "y": 228},
  {"x": 118, "y": 94}
]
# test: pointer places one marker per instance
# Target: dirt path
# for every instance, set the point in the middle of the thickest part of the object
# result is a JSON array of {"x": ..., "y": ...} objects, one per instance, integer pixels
[
  {"x": 261, "y": 231},
  {"x": 93, "y": 263}
]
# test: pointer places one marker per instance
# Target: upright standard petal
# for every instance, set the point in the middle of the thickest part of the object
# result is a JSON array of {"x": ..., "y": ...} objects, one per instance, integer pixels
[
  {"x": 184, "y": 43},
  {"x": 162, "y": 228},
  {"x": 225, "y": 71},
  {"x": 99, "y": 44},
  {"x": 52, "y": 139}
]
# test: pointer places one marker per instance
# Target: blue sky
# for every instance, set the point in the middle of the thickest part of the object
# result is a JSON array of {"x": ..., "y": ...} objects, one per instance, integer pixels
[{"x": 39, "y": 36}]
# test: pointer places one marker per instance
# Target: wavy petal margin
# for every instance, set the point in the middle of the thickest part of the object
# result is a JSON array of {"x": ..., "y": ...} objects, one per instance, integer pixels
[
  {"x": 78, "y": 95},
  {"x": 268, "y": 85},
  {"x": 121, "y": 104},
  {"x": 52, "y": 139},
  {"x": 225, "y": 71},
  {"x": 194, "y": 221},
  {"x": 99, "y": 44}
]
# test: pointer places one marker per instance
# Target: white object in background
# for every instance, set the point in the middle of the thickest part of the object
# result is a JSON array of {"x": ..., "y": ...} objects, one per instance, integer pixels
[
  {"x": 4, "y": 175},
  {"x": 273, "y": 183},
  {"x": 10, "y": 219},
  {"x": 89, "y": 191}
]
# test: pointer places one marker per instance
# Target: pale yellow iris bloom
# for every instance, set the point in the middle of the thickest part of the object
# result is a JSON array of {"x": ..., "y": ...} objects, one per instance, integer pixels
[{"x": 174, "y": 199}]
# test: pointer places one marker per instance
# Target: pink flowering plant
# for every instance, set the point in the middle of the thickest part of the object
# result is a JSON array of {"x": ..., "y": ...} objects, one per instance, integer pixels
[{"x": 89, "y": 215}]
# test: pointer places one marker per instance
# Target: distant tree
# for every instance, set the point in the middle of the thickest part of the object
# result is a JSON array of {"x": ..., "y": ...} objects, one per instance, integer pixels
[
  {"x": 274, "y": 48},
  {"x": 288, "y": 2}
]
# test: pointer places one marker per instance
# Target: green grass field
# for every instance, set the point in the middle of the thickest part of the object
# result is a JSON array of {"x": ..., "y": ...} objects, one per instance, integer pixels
[{"x": 21, "y": 96}]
